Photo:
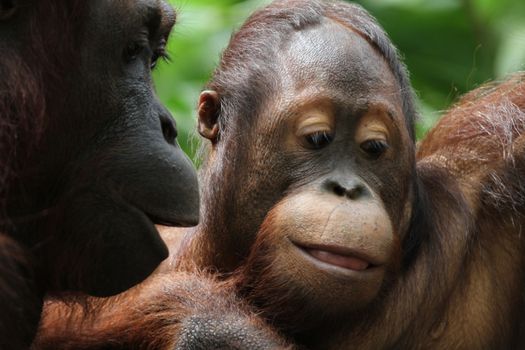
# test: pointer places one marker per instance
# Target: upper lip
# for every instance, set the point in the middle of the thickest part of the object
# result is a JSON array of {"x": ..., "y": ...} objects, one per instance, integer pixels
[{"x": 340, "y": 250}]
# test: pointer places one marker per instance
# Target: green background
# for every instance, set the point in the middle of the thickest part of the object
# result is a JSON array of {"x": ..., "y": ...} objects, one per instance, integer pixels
[{"x": 449, "y": 46}]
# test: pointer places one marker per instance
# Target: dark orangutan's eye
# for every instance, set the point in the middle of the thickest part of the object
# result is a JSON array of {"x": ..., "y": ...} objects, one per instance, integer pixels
[
  {"x": 134, "y": 50},
  {"x": 168, "y": 130},
  {"x": 374, "y": 148},
  {"x": 160, "y": 53},
  {"x": 319, "y": 139}
]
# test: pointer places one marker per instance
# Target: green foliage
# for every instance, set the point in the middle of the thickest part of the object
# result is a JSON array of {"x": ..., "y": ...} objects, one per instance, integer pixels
[
  {"x": 449, "y": 46},
  {"x": 203, "y": 30}
]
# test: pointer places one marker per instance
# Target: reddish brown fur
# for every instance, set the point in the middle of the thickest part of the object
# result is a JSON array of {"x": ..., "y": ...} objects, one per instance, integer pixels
[{"x": 175, "y": 310}]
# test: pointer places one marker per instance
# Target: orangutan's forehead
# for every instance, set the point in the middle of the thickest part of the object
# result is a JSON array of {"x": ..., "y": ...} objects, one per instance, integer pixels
[
  {"x": 152, "y": 13},
  {"x": 336, "y": 56}
]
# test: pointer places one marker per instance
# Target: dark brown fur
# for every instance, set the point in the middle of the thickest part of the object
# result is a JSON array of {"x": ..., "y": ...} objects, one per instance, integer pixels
[
  {"x": 58, "y": 221},
  {"x": 23, "y": 111}
]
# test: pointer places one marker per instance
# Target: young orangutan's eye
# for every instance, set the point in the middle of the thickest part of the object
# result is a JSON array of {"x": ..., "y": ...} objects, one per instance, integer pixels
[
  {"x": 374, "y": 148},
  {"x": 319, "y": 139}
]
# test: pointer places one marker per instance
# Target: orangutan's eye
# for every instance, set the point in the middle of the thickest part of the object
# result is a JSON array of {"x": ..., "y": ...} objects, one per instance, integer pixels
[
  {"x": 374, "y": 148},
  {"x": 319, "y": 139},
  {"x": 159, "y": 53}
]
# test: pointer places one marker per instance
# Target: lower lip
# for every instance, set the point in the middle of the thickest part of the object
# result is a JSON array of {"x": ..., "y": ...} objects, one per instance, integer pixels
[{"x": 344, "y": 261}]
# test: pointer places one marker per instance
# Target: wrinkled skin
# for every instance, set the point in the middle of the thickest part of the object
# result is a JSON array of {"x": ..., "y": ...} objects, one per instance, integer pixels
[{"x": 102, "y": 164}]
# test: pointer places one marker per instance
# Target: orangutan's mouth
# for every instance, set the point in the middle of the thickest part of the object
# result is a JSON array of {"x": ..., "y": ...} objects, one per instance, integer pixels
[
  {"x": 338, "y": 256},
  {"x": 345, "y": 261}
]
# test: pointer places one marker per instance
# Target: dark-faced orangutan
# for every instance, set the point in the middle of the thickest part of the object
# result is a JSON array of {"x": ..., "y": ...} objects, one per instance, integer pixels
[
  {"x": 89, "y": 160},
  {"x": 324, "y": 218}
]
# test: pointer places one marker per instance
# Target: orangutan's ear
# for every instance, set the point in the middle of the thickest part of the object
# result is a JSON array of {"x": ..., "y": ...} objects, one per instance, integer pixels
[
  {"x": 208, "y": 114},
  {"x": 7, "y": 9}
]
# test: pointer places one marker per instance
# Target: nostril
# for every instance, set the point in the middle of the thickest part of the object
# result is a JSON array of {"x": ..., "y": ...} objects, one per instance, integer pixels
[
  {"x": 355, "y": 192},
  {"x": 336, "y": 188},
  {"x": 168, "y": 129},
  {"x": 339, "y": 190}
]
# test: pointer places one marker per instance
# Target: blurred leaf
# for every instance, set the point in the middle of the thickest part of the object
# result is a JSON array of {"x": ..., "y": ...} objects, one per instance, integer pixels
[{"x": 511, "y": 53}]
